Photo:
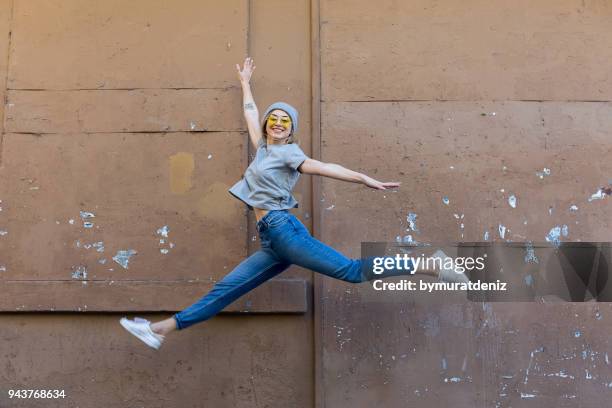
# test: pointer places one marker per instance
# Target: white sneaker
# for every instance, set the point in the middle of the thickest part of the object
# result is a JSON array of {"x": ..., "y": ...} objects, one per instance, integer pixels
[
  {"x": 141, "y": 328},
  {"x": 448, "y": 274}
]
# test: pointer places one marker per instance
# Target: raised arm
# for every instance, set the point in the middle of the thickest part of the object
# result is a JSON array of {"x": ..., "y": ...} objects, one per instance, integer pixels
[
  {"x": 251, "y": 114},
  {"x": 336, "y": 171}
]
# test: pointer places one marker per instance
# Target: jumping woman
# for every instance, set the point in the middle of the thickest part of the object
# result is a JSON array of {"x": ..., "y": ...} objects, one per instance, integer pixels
[{"x": 266, "y": 188}]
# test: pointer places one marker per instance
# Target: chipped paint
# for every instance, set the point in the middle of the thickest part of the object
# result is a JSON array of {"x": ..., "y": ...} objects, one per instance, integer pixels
[
  {"x": 512, "y": 201},
  {"x": 577, "y": 333},
  {"x": 163, "y": 231},
  {"x": 411, "y": 218},
  {"x": 554, "y": 235},
  {"x": 79, "y": 272},
  {"x": 601, "y": 193},
  {"x": 530, "y": 256},
  {"x": 85, "y": 215},
  {"x": 3, "y": 232},
  {"x": 486, "y": 236},
  {"x": 532, "y": 355},
  {"x": 573, "y": 208},
  {"x": 502, "y": 231},
  {"x": 560, "y": 374},
  {"x": 2, "y": 268},
  {"x": 123, "y": 257},
  {"x": 445, "y": 200},
  {"x": 543, "y": 173}
]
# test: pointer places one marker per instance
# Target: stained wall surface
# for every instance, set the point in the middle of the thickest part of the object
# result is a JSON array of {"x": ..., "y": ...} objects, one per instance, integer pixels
[
  {"x": 467, "y": 104},
  {"x": 131, "y": 113},
  {"x": 122, "y": 132}
]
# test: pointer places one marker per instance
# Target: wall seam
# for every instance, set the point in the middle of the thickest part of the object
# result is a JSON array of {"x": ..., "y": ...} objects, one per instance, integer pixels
[
  {"x": 6, "y": 79},
  {"x": 317, "y": 279}
]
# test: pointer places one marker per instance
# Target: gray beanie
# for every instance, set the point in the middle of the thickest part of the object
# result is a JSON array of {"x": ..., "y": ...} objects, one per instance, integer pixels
[{"x": 291, "y": 111}]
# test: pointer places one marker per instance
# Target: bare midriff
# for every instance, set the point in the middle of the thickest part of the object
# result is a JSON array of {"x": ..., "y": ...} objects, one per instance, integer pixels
[{"x": 259, "y": 213}]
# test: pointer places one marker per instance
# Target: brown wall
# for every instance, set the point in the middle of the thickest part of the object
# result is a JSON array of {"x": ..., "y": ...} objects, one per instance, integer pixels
[
  {"x": 466, "y": 100},
  {"x": 131, "y": 111}
]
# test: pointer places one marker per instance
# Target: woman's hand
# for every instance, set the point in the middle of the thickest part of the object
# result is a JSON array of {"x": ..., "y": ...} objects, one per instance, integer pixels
[
  {"x": 245, "y": 74},
  {"x": 379, "y": 185}
]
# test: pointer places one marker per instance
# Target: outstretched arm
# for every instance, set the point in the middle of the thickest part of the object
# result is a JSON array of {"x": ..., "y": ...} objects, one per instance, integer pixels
[
  {"x": 336, "y": 171},
  {"x": 251, "y": 114}
]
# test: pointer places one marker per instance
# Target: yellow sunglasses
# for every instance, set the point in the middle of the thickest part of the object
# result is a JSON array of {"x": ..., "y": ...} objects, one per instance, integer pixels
[{"x": 285, "y": 122}]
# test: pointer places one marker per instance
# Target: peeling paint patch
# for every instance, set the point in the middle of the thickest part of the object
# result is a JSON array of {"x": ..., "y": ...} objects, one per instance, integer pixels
[
  {"x": 331, "y": 207},
  {"x": 99, "y": 246},
  {"x": 2, "y": 268},
  {"x": 79, "y": 272},
  {"x": 577, "y": 333},
  {"x": 163, "y": 231},
  {"x": 445, "y": 200},
  {"x": 71, "y": 221},
  {"x": 452, "y": 379},
  {"x": 102, "y": 261},
  {"x": 530, "y": 256},
  {"x": 524, "y": 395},
  {"x": 598, "y": 195},
  {"x": 502, "y": 231},
  {"x": 486, "y": 236},
  {"x": 560, "y": 374},
  {"x": 554, "y": 235},
  {"x": 123, "y": 257},
  {"x": 512, "y": 201},
  {"x": 85, "y": 215},
  {"x": 411, "y": 218},
  {"x": 573, "y": 208},
  {"x": 3, "y": 233},
  {"x": 543, "y": 173},
  {"x": 406, "y": 240},
  {"x": 532, "y": 355}
]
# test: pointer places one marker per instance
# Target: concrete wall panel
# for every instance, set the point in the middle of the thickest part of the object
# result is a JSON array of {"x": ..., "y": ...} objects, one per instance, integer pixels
[
  {"x": 470, "y": 50},
  {"x": 116, "y": 45},
  {"x": 109, "y": 111},
  {"x": 229, "y": 362},
  {"x": 134, "y": 184},
  {"x": 449, "y": 149}
]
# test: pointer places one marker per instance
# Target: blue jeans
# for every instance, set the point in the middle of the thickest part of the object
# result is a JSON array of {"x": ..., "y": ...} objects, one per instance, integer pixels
[{"x": 284, "y": 241}]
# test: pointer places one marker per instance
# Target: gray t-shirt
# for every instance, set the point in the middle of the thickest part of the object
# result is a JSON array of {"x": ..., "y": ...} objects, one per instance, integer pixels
[{"x": 269, "y": 180}]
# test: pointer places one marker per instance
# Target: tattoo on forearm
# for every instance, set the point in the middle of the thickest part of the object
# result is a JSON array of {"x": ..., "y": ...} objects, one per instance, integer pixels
[{"x": 249, "y": 106}]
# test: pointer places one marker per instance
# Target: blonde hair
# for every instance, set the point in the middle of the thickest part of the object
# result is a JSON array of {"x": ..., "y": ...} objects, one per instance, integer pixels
[{"x": 290, "y": 139}]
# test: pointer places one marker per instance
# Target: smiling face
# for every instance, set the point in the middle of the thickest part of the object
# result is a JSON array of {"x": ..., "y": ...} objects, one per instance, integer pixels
[{"x": 278, "y": 127}]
